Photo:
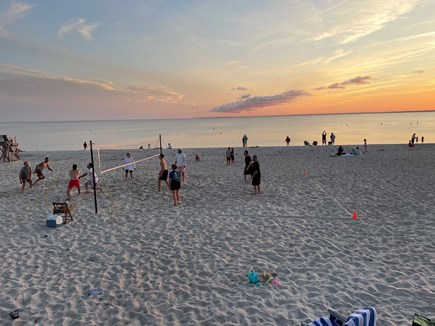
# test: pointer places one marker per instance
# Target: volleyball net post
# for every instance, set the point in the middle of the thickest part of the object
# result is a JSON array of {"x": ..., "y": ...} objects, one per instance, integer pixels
[{"x": 93, "y": 177}]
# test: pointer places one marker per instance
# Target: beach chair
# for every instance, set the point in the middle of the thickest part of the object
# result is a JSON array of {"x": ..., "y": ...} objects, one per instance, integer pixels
[
  {"x": 63, "y": 209},
  {"x": 362, "y": 317},
  {"x": 420, "y": 320}
]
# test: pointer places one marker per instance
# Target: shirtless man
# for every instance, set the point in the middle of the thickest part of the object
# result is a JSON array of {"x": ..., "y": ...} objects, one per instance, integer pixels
[
  {"x": 74, "y": 176},
  {"x": 163, "y": 174},
  {"x": 39, "y": 168}
]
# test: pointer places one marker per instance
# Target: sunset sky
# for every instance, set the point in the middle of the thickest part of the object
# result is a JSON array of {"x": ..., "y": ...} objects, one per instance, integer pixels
[{"x": 129, "y": 59}]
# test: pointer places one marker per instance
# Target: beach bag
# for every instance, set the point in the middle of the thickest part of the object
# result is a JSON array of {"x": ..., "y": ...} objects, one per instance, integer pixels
[{"x": 253, "y": 277}]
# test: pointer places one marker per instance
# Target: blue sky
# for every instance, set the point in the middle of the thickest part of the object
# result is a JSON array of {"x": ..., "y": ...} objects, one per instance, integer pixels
[{"x": 79, "y": 60}]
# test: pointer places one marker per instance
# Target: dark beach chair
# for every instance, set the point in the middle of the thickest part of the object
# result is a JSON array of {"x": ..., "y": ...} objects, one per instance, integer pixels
[{"x": 63, "y": 209}]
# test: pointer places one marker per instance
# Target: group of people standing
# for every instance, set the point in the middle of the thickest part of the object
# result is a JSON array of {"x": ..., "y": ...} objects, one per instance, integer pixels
[{"x": 331, "y": 138}]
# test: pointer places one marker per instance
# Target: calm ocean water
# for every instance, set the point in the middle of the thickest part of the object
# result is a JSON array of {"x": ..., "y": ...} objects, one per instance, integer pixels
[{"x": 380, "y": 128}]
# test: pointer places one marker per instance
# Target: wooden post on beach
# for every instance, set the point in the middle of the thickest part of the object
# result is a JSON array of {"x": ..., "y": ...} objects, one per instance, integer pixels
[{"x": 93, "y": 177}]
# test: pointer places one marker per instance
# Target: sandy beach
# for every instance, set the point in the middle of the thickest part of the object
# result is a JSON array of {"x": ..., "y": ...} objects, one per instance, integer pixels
[{"x": 155, "y": 264}]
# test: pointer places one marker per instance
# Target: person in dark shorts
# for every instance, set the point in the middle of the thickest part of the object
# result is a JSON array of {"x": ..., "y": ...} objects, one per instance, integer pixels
[
  {"x": 39, "y": 168},
  {"x": 163, "y": 174},
  {"x": 256, "y": 174},
  {"x": 25, "y": 176},
  {"x": 247, "y": 171},
  {"x": 175, "y": 184}
]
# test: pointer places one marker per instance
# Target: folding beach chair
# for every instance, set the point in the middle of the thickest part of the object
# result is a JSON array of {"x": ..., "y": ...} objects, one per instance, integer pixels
[
  {"x": 419, "y": 320},
  {"x": 63, "y": 209},
  {"x": 362, "y": 317}
]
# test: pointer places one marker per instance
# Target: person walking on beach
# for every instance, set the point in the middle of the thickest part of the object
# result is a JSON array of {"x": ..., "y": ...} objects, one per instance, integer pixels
[
  {"x": 85, "y": 145},
  {"x": 413, "y": 138},
  {"x": 324, "y": 137},
  {"x": 90, "y": 181},
  {"x": 246, "y": 171},
  {"x": 256, "y": 174},
  {"x": 74, "y": 180},
  {"x": 39, "y": 168},
  {"x": 163, "y": 174},
  {"x": 245, "y": 141},
  {"x": 180, "y": 159},
  {"x": 128, "y": 159},
  {"x": 232, "y": 161},
  {"x": 287, "y": 140},
  {"x": 25, "y": 176},
  {"x": 175, "y": 184},
  {"x": 365, "y": 145},
  {"x": 422, "y": 139}
]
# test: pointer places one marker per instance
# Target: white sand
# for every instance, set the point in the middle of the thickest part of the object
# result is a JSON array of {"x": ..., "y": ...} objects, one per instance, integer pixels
[{"x": 163, "y": 265}]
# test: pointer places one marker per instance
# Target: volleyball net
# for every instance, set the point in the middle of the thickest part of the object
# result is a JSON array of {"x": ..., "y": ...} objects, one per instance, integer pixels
[{"x": 128, "y": 147}]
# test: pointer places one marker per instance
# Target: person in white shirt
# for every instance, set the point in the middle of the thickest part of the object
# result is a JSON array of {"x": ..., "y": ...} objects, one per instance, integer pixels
[
  {"x": 130, "y": 167},
  {"x": 180, "y": 158},
  {"x": 90, "y": 180}
]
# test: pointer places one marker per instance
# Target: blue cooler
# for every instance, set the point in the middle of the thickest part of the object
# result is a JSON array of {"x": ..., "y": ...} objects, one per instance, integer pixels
[{"x": 52, "y": 221}]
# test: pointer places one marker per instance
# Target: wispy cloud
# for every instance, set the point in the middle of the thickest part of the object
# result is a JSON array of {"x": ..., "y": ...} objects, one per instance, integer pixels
[
  {"x": 19, "y": 79},
  {"x": 240, "y": 88},
  {"x": 157, "y": 94},
  {"x": 80, "y": 26},
  {"x": 108, "y": 86},
  {"x": 370, "y": 17},
  {"x": 354, "y": 81},
  {"x": 232, "y": 62},
  {"x": 15, "y": 12},
  {"x": 255, "y": 102}
]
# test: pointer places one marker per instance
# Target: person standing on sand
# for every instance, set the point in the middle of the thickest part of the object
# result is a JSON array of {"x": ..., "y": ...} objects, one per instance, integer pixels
[
  {"x": 365, "y": 145},
  {"x": 324, "y": 137},
  {"x": 287, "y": 140},
  {"x": 256, "y": 174},
  {"x": 175, "y": 184},
  {"x": 232, "y": 160},
  {"x": 332, "y": 137},
  {"x": 39, "y": 168},
  {"x": 25, "y": 176},
  {"x": 228, "y": 155},
  {"x": 74, "y": 180},
  {"x": 246, "y": 171},
  {"x": 245, "y": 141},
  {"x": 90, "y": 181},
  {"x": 163, "y": 174},
  {"x": 130, "y": 167},
  {"x": 85, "y": 145},
  {"x": 180, "y": 159}
]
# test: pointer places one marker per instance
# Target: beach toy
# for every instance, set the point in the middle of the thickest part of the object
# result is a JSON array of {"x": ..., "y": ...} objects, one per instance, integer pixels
[
  {"x": 354, "y": 215},
  {"x": 276, "y": 282},
  {"x": 253, "y": 277}
]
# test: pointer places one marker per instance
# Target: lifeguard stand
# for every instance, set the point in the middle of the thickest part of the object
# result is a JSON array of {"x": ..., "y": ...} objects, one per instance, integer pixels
[{"x": 9, "y": 149}]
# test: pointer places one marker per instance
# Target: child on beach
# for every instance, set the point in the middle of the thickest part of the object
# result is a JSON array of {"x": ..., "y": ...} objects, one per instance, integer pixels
[
  {"x": 25, "y": 176},
  {"x": 174, "y": 180},
  {"x": 74, "y": 176}
]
